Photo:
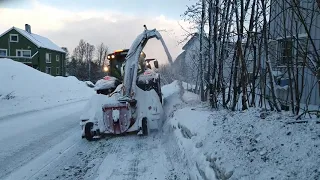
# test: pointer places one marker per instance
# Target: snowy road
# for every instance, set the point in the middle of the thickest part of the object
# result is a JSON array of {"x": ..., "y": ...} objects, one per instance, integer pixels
[{"x": 47, "y": 145}]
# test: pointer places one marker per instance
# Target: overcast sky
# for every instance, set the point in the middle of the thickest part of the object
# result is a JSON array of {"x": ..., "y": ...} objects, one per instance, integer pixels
[{"x": 113, "y": 22}]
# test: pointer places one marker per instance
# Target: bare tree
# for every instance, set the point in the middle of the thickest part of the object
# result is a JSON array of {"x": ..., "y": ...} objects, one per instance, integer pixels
[
  {"x": 80, "y": 50},
  {"x": 102, "y": 51},
  {"x": 201, "y": 60},
  {"x": 268, "y": 63}
]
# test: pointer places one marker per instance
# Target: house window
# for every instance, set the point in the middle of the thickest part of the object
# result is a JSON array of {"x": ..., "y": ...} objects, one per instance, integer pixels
[
  {"x": 48, "y": 70},
  {"x": 282, "y": 82},
  {"x": 302, "y": 49},
  {"x": 273, "y": 51},
  {"x": 23, "y": 53},
  {"x": 57, "y": 71},
  {"x": 285, "y": 51},
  {"x": 57, "y": 57},
  {"x": 14, "y": 38},
  {"x": 48, "y": 58},
  {"x": 3, "y": 52}
]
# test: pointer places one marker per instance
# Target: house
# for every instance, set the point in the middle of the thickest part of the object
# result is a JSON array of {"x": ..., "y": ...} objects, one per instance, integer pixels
[
  {"x": 294, "y": 44},
  {"x": 33, "y": 50},
  {"x": 187, "y": 63}
]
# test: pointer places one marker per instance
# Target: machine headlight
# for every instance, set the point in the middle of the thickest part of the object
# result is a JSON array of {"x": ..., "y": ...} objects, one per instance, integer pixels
[{"x": 112, "y": 56}]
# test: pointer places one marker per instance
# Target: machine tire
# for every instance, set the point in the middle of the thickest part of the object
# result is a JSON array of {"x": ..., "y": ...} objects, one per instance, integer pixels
[
  {"x": 87, "y": 131},
  {"x": 144, "y": 126}
]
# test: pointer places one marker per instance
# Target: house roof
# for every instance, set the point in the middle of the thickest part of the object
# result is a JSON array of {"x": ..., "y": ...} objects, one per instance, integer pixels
[
  {"x": 180, "y": 57},
  {"x": 40, "y": 41},
  {"x": 191, "y": 40},
  {"x": 194, "y": 37}
]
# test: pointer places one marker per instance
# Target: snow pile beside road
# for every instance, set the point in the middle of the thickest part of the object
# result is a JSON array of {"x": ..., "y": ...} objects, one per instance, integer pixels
[
  {"x": 170, "y": 89},
  {"x": 241, "y": 145},
  {"x": 25, "y": 89}
]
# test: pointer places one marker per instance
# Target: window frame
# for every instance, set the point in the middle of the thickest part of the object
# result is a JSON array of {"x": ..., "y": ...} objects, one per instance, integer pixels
[
  {"x": 295, "y": 49},
  {"x": 14, "y": 35},
  {"x": 57, "y": 57},
  {"x": 21, "y": 51},
  {"x": 301, "y": 52},
  {"x": 48, "y": 67},
  {"x": 4, "y": 50},
  {"x": 57, "y": 70},
  {"x": 285, "y": 45},
  {"x": 50, "y": 58}
]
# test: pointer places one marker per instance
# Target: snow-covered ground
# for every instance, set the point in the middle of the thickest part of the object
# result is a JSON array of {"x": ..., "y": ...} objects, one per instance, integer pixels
[
  {"x": 24, "y": 89},
  {"x": 241, "y": 145},
  {"x": 47, "y": 144},
  {"x": 194, "y": 143}
]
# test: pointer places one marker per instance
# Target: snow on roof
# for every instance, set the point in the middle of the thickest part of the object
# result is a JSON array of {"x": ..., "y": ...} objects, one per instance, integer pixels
[{"x": 38, "y": 40}]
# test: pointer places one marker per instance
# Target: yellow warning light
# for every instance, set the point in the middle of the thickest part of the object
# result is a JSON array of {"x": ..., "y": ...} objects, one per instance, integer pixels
[{"x": 120, "y": 50}]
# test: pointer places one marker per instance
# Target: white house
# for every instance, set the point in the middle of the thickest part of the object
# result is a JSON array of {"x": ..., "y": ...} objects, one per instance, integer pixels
[{"x": 292, "y": 42}]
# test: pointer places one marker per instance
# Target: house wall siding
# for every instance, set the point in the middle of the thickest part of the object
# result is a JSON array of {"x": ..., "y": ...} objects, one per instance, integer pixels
[
  {"x": 23, "y": 44},
  {"x": 54, "y": 63},
  {"x": 39, "y": 60},
  {"x": 285, "y": 24}
]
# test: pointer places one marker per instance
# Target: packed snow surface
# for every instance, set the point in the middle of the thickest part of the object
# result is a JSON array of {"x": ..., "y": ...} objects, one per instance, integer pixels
[
  {"x": 26, "y": 89},
  {"x": 50, "y": 147},
  {"x": 195, "y": 142}
]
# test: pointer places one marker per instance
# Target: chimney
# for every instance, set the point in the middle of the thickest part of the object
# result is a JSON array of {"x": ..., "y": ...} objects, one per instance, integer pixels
[{"x": 28, "y": 28}]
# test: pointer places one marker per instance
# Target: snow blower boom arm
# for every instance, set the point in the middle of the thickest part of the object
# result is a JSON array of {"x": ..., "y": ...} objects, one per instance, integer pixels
[{"x": 132, "y": 59}]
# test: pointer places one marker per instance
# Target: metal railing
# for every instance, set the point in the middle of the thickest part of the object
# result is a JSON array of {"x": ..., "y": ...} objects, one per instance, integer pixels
[{"x": 21, "y": 59}]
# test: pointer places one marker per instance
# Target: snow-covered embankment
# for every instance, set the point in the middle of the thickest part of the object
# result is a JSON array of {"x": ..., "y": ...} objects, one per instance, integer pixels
[
  {"x": 240, "y": 145},
  {"x": 25, "y": 89}
]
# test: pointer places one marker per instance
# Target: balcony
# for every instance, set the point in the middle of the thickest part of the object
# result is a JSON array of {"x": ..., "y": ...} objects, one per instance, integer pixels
[
  {"x": 19, "y": 59},
  {"x": 25, "y": 60}
]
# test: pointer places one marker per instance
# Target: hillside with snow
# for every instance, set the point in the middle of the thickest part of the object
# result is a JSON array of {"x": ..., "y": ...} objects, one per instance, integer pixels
[{"x": 26, "y": 89}]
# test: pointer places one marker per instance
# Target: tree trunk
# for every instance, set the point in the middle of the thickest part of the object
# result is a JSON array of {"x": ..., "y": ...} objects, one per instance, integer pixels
[
  {"x": 202, "y": 49},
  {"x": 268, "y": 63},
  {"x": 208, "y": 77}
]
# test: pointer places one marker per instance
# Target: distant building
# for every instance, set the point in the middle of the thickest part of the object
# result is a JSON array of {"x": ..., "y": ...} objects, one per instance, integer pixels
[
  {"x": 187, "y": 63},
  {"x": 33, "y": 50}
]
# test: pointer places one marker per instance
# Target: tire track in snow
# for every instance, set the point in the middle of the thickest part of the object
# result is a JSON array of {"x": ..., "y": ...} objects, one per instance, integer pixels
[
  {"x": 16, "y": 155},
  {"x": 133, "y": 169},
  {"x": 82, "y": 161}
]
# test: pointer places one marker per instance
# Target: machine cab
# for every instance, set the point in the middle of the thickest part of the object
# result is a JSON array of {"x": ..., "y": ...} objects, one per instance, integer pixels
[{"x": 117, "y": 61}]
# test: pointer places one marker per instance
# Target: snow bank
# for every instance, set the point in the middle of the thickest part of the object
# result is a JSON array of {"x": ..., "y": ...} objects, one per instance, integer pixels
[
  {"x": 25, "y": 89},
  {"x": 241, "y": 145},
  {"x": 169, "y": 89}
]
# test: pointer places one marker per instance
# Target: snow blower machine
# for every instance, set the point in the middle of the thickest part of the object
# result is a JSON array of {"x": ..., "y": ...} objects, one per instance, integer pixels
[{"x": 135, "y": 103}]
